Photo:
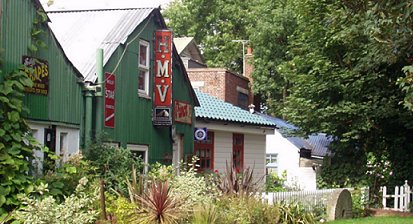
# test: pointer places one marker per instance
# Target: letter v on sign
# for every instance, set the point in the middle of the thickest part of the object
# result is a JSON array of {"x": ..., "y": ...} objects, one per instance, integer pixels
[{"x": 162, "y": 93}]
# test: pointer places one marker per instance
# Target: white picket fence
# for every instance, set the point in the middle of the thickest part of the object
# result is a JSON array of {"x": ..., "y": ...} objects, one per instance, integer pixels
[
  {"x": 400, "y": 200},
  {"x": 308, "y": 199}
]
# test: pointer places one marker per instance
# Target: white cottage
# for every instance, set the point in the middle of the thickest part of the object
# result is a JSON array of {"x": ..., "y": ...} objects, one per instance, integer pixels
[{"x": 297, "y": 157}]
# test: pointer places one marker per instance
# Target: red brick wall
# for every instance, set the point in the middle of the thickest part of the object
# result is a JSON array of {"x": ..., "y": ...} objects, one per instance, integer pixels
[
  {"x": 249, "y": 69},
  {"x": 220, "y": 83},
  {"x": 232, "y": 82},
  {"x": 214, "y": 80}
]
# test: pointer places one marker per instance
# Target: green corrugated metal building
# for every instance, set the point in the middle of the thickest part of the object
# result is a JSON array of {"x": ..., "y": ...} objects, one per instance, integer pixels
[
  {"x": 127, "y": 39},
  {"x": 55, "y": 103}
]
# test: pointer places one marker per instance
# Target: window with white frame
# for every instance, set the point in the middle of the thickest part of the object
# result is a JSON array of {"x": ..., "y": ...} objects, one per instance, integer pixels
[
  {"x": 140, "y": 151},
  {"x": 271, "y": 160},
  {"x": 143, "y": 74}
]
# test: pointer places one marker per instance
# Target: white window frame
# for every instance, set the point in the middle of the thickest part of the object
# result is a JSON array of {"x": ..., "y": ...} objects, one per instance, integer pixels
[
  {"x": 141, "y": 148},
  {"x": 144, "y": 92},
  {"x": 271, "y": 157}
]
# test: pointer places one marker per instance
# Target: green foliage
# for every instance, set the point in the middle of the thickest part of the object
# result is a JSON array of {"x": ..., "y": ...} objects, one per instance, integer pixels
[
  {"x": 359, "y": 197},
  {"x": 76, "y": 208},
  {"x": 16, "y": 144},
  {"x": 113, "y": 164},
  {"x": 161, "y": 172},
  {"x": 295, "y": 213},
  {"x": 240, "y": 184},
  {"x": 205, "y": 213},
  {"x": 39, "y": 25},
  {"x": 63, "y": 181},
  {"x": 274, "y": 183},
  {"x": 193, "y": 188},
  {"x": 246, "y": 210},
  {"x": 123, "y": 211},
  {"x": 214, "y": 24}
]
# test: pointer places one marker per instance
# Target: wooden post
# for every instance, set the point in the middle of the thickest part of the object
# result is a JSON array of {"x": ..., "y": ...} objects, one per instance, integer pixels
[
  {"x": 102, "y": 200},
  {"x": 407, "y": 193},
  {"x": 384, "y": 189},
  {"x": 396, "y": 197},
  {"x": 401, "y": 199}
]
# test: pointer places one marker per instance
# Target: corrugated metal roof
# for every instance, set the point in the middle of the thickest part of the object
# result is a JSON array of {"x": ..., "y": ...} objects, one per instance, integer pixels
[
  {"x": 215, "y": 109},
  {"x": 317, "y": 143},
  {"x": 81, "y": 33},
  {"x": 320, "y": 144}
]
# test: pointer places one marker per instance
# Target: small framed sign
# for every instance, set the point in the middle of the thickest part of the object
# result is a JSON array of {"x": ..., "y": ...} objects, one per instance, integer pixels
[{"x": 200, "y": 134}]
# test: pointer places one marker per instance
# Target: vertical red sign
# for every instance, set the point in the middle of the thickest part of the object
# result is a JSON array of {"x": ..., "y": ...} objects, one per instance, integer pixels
[
  {"x": 163, "y": 78},
  {"x": 163, "y": 68},
  {"x": 109, "y": 100}
]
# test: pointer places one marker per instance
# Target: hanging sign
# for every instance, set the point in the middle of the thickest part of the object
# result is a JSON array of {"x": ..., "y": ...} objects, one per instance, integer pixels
[
  {"x": 109, "y": 100},
  {"x": 200, "y": 134},
  {"x": 183, "y": 112},
  {"x": 38, "y": 71},
  {"x": 163, "y": 78}
]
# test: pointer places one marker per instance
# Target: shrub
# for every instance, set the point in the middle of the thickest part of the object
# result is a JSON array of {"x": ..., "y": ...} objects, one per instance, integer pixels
[
  {"x": 122, "y": 210},
  {"x": 113, "y": 164},
  {"x": 246, "y": 210},
  {"x": 295, "y": 213},
  {"x": 274, "y": 183},
  {"x": 161, "y": 172},
  {"x": 64, "y": 180},
  {"x": 241, "y": 184},
  {"x": 205, "y": 213},
  {"x": 76, "y": 208},
  {"x": 193, "y": 189}
]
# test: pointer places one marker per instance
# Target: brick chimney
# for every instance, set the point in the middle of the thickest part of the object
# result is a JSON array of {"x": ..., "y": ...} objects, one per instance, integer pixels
[{"x": 249, "y": 68}]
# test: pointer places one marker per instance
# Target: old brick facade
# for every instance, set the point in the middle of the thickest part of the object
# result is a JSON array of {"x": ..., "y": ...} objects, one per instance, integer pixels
[{"x": 223, "y": 84}]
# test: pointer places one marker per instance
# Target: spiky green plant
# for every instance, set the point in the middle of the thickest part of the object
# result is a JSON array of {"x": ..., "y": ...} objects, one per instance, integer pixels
[{"x": 238, "y": 184}]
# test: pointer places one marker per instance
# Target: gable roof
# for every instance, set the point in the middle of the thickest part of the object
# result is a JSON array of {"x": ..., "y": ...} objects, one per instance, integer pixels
[
  {"x": 216, "y": 109},
  {"x": 317, "y": 143},
  {"x": 82, "y": 32},
  {"x": 187, "y": 47}
]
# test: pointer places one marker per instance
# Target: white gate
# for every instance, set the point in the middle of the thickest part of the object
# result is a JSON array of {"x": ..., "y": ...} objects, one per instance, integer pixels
[{"x": 401, "y": 198}]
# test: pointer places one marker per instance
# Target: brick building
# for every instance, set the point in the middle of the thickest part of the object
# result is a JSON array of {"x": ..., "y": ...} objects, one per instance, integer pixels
[
  {"x": 218, "y": 82},
  {"x": 223, "y": 84}
]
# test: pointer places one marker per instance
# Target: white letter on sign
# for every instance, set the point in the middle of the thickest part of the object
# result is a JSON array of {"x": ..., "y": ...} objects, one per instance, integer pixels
[
  {"x": 164, "y": 44},
  {"x": 162, "y": 69},
  {"x": 162, "y": 93}
]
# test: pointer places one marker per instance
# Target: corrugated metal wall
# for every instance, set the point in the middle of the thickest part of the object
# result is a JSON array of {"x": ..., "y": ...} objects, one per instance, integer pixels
[
  {"x": 133, "y": 121},
  {"x": 64, "y": 102},
  {"x": 181, "y": 91}
]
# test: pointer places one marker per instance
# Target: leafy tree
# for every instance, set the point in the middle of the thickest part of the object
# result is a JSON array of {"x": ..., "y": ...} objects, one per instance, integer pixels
[
  {"x": 213, "y": 24},
  {"x": 343, "y": 82},
  {"x": 327, "y": 66}
]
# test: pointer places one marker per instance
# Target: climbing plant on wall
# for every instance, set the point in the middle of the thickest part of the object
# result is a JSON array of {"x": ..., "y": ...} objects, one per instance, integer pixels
[{"x": 16, "y": 143}]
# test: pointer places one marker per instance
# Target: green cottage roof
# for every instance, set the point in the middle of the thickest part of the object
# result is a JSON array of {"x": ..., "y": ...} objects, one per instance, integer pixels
[{"x": 215, "y": 109}]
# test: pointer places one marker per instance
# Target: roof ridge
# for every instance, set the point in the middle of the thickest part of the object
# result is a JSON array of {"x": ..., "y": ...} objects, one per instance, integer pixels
[{"x": 96, "y": 10}]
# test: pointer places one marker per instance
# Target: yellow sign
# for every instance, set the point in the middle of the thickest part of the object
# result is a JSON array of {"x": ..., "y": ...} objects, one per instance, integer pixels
[{"x": 38, "y": 71}]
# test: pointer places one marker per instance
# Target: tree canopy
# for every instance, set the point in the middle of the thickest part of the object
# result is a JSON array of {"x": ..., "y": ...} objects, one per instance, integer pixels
[{"x": 343, "y": 68}]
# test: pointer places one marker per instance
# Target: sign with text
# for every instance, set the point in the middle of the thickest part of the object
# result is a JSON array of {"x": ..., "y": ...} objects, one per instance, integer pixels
[
  {"x": 109, "y": 100},
  {"x": 38, "y": 71},
  {"x": 163, "y": 78},
  {"x": 183, "y": 112}
]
